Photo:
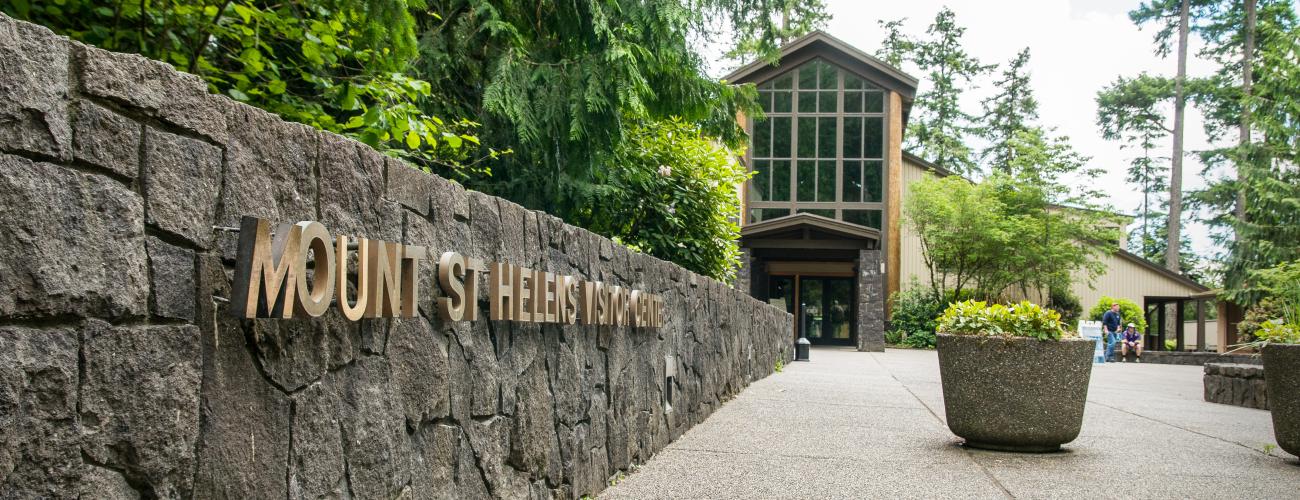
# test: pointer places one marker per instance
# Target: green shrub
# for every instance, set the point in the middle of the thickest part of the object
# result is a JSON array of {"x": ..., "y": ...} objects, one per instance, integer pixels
[
  {"x": 670, "y": 191},
  {"x": 1264, "y": 311},
  {"x": 1063, "y": 301},
  {"x": 1275, "y": 332},
  {"x": 914, "y": 316},
  {"x": 1023, "y": 319},
  {"x": 1128, "y": 312},
  {"x": 1276, "y": 317}
]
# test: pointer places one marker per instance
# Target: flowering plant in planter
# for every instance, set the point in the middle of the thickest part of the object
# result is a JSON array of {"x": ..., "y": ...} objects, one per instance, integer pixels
[
  {"x": 1024, "y": 319},
  {"x": 1278, "y": 341},
  {"x": 1013, "y": 378}
]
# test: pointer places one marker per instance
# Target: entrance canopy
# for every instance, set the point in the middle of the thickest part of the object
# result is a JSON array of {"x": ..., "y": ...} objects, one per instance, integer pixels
[{"x": 809, "y": 232}]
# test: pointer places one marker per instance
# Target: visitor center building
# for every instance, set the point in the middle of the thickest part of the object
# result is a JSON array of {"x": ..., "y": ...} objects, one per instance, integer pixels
[{"x": 822, "y": 234}]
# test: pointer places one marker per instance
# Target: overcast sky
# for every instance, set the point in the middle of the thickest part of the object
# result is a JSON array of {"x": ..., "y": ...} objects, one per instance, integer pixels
[{"x": 1077, "y": 48}]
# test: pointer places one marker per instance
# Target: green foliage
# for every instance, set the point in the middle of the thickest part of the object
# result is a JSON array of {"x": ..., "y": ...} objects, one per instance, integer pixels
[
  {"x": 762, "y": 35},
  {"x": 1128, "y": 312},
  {"x": 1130, "y": 111},
  {"x": 971, "y": 317},
  {"x": 1270, "y": 233},
  {"x": 1276, "y": 332},
  {"x": 571, "y": 87},
  {"x": 1275, "y": 317},
  {"x": 1251, "y": 200},
  {"x": 1133, "y": 112},
  {"x": 914, "y": 316},
  {"x": 1004, "y": 233},
  {"x": 1023, "y": 319},
  {"x": 561, "y": 84},
  {"x": 780, "y": 365},
  {"x": 337, "y": 65},
  {"x": 1065, "y": 303},
  {"x": 669, "y": 191}
]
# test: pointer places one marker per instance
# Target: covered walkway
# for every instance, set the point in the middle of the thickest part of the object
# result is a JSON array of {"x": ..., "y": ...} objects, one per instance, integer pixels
[{"x": 870, "y": 425}]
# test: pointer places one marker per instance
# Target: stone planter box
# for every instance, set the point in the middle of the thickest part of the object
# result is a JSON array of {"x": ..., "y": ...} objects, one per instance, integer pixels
[
  {"x": 1282, "y": 376},
  {"x": 1014, "y": 394},
  {"x": 1235, "y": 384}
]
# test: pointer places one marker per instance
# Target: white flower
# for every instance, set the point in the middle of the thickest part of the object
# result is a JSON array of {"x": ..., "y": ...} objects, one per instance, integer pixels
[{"x": 665, "y": 170}]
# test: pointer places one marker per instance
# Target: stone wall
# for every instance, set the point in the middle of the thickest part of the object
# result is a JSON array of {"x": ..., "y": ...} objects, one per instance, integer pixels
[
  {"x": 1236, "y": 384},
  {"x": 1197, "y": 358},
  {"x": 122, "y": 375}
]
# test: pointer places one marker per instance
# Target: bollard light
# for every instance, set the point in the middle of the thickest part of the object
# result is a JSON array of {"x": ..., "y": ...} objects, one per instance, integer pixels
[{"x": 801, "y": 346}]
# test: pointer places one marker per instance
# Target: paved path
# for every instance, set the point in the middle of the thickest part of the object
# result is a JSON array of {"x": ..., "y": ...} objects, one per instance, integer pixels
[{"x": 870, "y": 425}]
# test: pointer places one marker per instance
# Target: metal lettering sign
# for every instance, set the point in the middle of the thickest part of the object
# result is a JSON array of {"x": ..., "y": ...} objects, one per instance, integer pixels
[{"x": 271, "y": 281}]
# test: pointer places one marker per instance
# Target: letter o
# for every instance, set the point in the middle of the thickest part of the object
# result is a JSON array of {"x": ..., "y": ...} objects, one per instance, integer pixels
[{"x": 316, "y": 239}]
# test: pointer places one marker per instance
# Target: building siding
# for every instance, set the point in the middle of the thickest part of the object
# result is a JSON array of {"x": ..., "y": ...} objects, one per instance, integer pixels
[
  {"x": 1128, "y": 280},
  {"x": 1123, "y": 277},
  {"x": 912, "y": 262}
]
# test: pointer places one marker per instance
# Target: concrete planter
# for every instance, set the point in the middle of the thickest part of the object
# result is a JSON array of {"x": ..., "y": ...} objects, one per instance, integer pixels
[
  {"x": 1282, "y": 376},
  {"x": 1014, "y": 394}
]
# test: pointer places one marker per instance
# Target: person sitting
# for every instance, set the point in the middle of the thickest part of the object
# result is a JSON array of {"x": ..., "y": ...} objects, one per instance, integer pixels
[{"x": 1132, "y": 341}]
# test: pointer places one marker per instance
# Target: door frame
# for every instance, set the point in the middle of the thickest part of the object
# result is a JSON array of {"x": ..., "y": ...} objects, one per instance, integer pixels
[{"x": 823, "y": 277}]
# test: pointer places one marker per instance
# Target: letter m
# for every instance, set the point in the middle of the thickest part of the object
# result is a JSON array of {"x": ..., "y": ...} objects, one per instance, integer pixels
[{"x": 265, "y": 270}]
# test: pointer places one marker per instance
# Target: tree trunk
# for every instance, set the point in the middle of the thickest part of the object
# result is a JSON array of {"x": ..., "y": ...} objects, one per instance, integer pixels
[
  {"x": 785, "y": 22},
  {"x": 1176, "y": 165},
  {"x": 1243, "y": 131}
]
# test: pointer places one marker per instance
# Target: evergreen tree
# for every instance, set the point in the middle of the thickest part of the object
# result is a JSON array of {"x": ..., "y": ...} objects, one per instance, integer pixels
[
  {"x": 1161, "y": 11},
  {"x": 559, "y": 83},
  {"x": 897, "y": 47},
  {"x": 1150, "y": 174},
  {"x": 757, "y": 34},
  {"x": 570, "y": 87},
  {"x": 1132, "y": 111},
  {"x": 1230, "y": 38},
  {"x": 1269, "y": 234},
  {"x": 938, "y": 127},
  {"x": 1009, "y": 112}
]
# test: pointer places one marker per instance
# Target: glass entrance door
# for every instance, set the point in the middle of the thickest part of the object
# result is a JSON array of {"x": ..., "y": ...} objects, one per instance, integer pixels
[{"x": 828, "y": 315}]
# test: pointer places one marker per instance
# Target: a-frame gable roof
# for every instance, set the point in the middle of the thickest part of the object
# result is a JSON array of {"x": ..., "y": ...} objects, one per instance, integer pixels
[
  {"x": 803, "y": 220},
  {"x": 834, "y": 50}
]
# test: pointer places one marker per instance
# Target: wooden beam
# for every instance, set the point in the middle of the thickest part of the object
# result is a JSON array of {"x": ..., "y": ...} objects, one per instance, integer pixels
[
  {"x": 1180, "y": 327},
  {"x": 893, "y": 198},
  {"x": 1200, "y": 325}
]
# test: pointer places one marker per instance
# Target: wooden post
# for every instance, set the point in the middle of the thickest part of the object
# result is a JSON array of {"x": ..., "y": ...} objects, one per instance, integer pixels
[
  {"x": 1200, "y": 325},
  {"x": 1163, "y": 320},
  {"x": 1180, "y": 308},
  {"x": 893, "y": 200}
]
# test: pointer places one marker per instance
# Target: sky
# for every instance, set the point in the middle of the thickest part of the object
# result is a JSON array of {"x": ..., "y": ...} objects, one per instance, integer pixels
[{"x": 1077, "y": 48}]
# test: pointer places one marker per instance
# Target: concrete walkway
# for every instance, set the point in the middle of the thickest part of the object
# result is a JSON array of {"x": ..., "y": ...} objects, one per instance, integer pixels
[{"x": 870, "y": 425}]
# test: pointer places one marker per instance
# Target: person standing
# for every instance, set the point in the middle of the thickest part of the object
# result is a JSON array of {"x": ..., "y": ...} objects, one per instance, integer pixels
[{"x": 1110, "y": 323}]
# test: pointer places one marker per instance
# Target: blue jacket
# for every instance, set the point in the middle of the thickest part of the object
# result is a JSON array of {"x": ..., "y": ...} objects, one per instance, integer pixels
[{"x": 1110, "y": 321}]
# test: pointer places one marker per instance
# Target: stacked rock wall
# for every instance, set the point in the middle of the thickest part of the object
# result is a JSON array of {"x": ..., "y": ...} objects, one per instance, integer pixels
[
  {"x": 1236, "y": 384},
  {"x": 122, "y": 375}
]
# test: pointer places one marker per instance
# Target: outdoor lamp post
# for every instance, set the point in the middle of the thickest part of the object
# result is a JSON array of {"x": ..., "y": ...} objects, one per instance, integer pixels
[{"x": 801, "y": 346}]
